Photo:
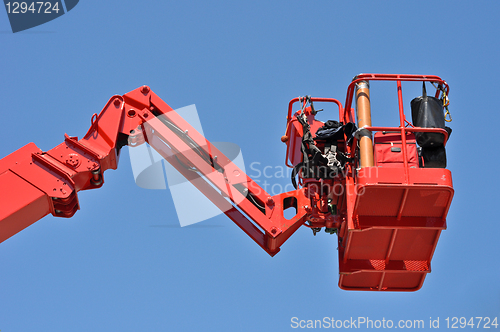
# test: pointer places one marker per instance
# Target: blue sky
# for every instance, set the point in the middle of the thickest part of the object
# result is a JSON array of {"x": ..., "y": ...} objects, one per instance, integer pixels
[{"x": 123, "y": 264}]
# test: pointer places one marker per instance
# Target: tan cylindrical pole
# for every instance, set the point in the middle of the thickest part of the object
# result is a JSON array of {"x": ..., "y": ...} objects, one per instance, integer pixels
[{"x": 363, "y": 113}]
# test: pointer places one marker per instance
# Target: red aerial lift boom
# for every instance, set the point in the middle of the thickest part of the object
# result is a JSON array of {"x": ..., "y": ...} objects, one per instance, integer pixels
[{"x": 386, "y": 202}]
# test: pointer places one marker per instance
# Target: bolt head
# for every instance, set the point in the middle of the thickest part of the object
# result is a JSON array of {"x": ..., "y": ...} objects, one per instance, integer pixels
[{"x": 72, "y": 160}]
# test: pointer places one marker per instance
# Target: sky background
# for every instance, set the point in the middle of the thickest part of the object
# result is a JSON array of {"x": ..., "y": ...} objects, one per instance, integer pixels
[{"x": 122, "y": 263}]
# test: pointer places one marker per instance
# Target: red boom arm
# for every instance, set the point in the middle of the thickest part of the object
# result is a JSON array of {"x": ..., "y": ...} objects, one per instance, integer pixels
[{"x": 35, "y": 183}]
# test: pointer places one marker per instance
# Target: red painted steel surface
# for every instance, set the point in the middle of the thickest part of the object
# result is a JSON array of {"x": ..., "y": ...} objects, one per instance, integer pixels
[
  {"x": 388, "y": 218},
  {"x": 396, "y": 211}
]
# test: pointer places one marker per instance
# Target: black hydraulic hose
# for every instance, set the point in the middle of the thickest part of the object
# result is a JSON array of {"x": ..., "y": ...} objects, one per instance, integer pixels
[{"x": 188, "y": 140}]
